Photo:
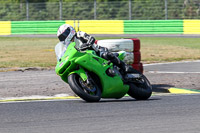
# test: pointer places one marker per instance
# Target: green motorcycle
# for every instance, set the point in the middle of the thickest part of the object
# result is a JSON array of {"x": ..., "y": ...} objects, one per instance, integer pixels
[{"x": 90, "y": 78}]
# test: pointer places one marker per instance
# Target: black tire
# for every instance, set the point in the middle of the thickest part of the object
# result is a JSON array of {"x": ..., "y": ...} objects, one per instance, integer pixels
[
  {"x": 140, "y": 90},
  {"x": 76, "y": 84}
]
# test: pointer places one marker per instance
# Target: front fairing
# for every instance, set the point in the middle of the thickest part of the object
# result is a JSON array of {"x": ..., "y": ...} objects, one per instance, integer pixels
[{"x": 64, "y": 55}]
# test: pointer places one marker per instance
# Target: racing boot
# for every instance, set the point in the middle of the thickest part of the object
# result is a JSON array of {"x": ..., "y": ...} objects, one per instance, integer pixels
[{"x": 124, "y": 68}]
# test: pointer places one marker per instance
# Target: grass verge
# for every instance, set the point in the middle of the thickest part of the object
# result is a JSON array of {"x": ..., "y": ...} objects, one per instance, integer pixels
[
  {"x": 169, "y": 49},
  {"x": 39, "y": 52}
]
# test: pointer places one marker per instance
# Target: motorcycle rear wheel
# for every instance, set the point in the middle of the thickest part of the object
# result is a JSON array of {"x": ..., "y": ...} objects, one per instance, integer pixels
[
  {"x": 140, "y": 90},
  {"x": 89, "y": 93}
]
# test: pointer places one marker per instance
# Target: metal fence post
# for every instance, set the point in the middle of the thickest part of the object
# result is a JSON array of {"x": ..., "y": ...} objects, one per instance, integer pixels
[
  {"x": 74, "y": 24},
  {"x": 95, "y": 9},
  {"x": 27, "y": 10},
  {"x": 60, "y": 3},
  {"x": 166, "y": 11},
  {"x": 130, "y": 10}
]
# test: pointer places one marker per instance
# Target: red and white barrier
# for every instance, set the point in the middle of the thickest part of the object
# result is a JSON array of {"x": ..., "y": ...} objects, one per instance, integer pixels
[
  {"x": 131, "y": 46},
  {"x": 132, "y": 57},
  {"x": 116, "y": 45},
  {"x": 137, "y": 65}
]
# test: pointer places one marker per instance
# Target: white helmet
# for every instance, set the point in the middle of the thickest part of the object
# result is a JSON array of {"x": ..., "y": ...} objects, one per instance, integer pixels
[{"x": 66, "y": 33}]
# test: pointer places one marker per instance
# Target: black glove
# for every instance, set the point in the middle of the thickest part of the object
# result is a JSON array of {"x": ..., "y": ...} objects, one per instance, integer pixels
[{"x": 91, "y": 40}]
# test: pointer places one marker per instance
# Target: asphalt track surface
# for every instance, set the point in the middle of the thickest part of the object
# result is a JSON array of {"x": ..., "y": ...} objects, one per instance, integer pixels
[
  {"x": 184, "y": 74},
  {"x": 174, "y": 67},
  {"x": 159, "y": 114}
]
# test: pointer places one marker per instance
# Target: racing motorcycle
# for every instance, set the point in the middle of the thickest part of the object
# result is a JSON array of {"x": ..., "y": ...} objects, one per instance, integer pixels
[{"x": 92, "y": 77}]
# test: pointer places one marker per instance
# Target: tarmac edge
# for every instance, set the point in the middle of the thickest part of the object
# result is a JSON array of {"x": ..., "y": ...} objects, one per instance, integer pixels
[{"x": 48, "y": 98}]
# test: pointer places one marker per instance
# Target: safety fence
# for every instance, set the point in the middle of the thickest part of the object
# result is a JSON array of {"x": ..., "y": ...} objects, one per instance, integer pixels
[
  {"x": 20, "y": 10},
  {"x": 103, "y": 26}
]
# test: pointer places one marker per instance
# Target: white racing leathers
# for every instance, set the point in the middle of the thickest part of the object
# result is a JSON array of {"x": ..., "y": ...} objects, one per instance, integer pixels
[{"x": 83, "y": 38}]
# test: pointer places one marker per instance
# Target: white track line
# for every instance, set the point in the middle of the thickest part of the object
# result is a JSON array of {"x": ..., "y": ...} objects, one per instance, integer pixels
[
  {"x": 170, "y": 63},
  {"x": 174, "y": 72}
]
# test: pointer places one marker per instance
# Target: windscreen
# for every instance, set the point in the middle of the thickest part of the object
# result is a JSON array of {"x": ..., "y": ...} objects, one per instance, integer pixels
[{"x": 60, "y": 49}]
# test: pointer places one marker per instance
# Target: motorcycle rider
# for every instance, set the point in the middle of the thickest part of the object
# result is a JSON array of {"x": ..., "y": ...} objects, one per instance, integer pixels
[{"x": 67, "y": 34}]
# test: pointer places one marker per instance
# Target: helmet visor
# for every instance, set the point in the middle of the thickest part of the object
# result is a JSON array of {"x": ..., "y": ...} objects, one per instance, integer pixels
[{"x": 64, "y": 35}]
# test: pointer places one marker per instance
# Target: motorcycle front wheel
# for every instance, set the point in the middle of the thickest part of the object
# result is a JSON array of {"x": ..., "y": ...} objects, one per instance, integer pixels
[
  {"x": 141, "y": 88},
  {"x": 87, "y": 90}
]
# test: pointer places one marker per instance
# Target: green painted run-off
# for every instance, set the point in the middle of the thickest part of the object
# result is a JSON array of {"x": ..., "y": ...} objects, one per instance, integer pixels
[
  {"x": 35, "y": 27},
  {"x": 153, "y": 26}
]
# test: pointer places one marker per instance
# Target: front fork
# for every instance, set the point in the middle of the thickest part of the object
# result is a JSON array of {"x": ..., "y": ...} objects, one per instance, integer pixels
[
  {"x": 81, "y": 72},
  {"x": 85, "y": 80}
]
